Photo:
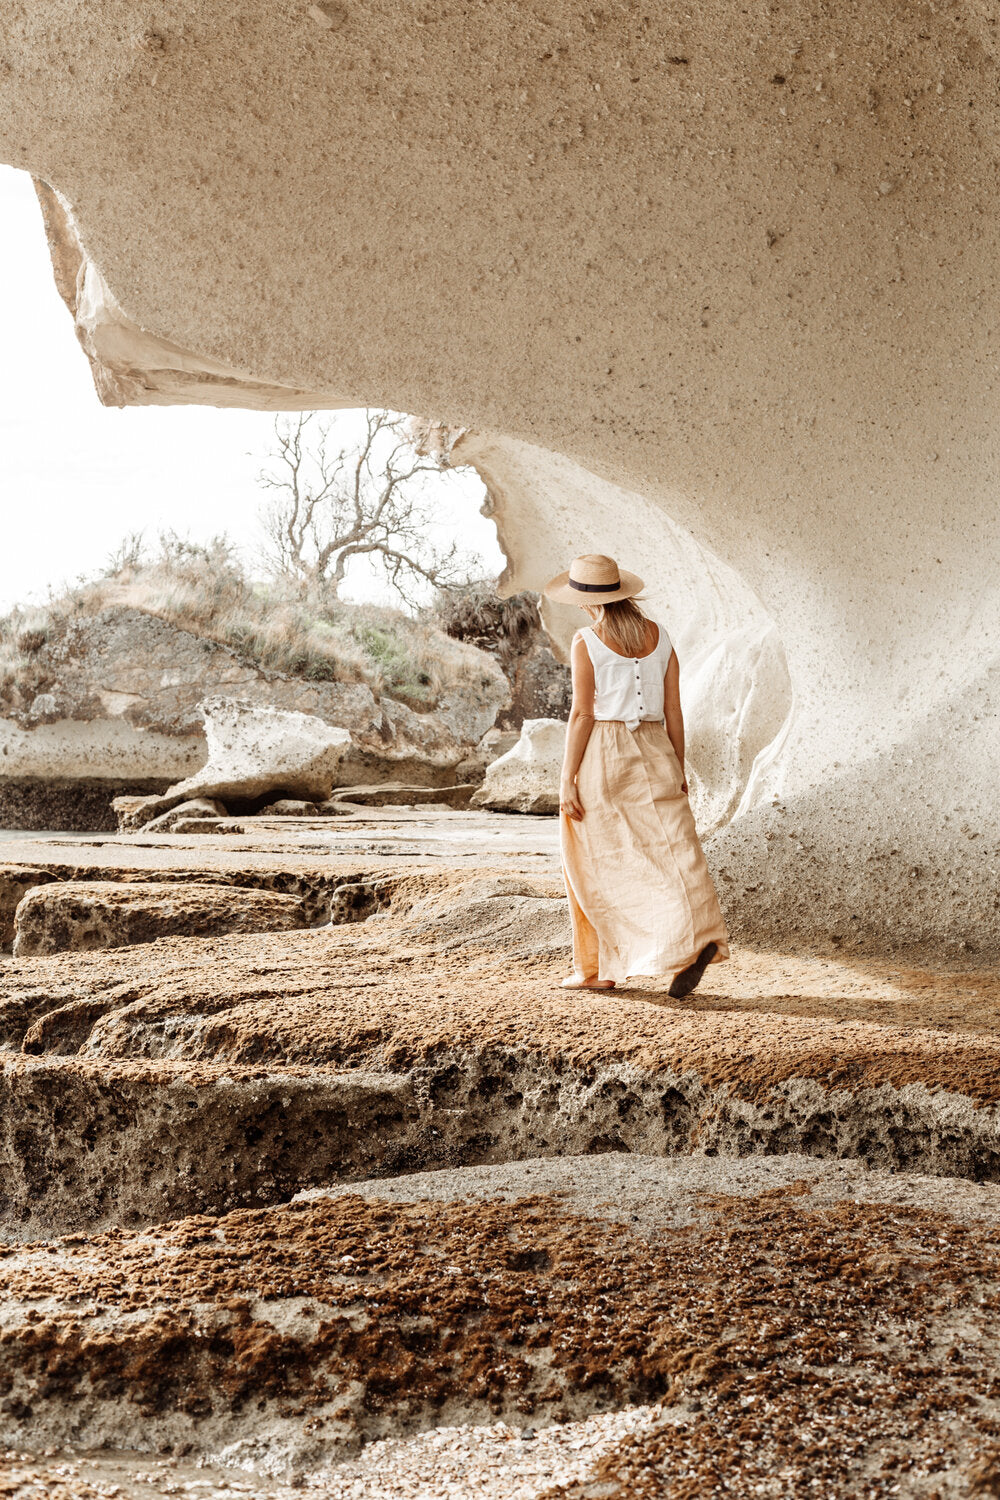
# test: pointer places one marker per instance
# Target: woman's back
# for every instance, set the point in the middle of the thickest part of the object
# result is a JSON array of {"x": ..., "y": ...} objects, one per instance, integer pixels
[
  {"x": 641, "y": 899},
  {"x": 629, "y": 688}
]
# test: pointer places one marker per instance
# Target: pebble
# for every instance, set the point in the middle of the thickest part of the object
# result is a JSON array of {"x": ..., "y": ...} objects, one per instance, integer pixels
[{"x": 328, "y": 15}]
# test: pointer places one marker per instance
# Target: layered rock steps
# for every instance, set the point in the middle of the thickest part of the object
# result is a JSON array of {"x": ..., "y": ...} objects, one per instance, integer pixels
[
  {"x": 85, "y": 1144},
  {"x": 377, "y": 1206},
  {"x": 56, "y": 907},
  {"x": 301, "y": 855},
  {"x": 204, "y": 1078}
]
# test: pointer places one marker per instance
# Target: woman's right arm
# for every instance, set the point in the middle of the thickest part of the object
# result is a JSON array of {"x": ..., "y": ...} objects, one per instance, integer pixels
[
  {"x": 672, "y": 712},
  {"x": 581, "y": 722}
]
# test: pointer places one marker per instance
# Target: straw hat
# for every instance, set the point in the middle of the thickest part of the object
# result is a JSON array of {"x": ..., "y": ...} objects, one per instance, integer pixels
[{"x": 592, "y": 579}]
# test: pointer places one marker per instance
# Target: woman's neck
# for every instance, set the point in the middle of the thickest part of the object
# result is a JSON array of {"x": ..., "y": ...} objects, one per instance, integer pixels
[{"x": 605, "y": 636}]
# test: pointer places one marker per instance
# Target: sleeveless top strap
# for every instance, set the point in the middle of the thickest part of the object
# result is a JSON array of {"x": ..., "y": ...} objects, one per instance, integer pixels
[{"x": 591, "y": 639}]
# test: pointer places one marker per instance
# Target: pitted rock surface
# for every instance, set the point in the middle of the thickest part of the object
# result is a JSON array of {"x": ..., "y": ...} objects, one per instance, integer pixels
[
  {"x": 812, "y": 1340},
  {"x": 312, "y": 885},
  {"x": 85, "y": 914},
  {"x": 434, "y": 1006},
  {"x": 377, "y": 1205}
]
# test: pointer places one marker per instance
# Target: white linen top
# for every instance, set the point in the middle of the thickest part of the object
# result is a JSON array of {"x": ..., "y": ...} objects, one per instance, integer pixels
[{"x": 628, "y": 687}]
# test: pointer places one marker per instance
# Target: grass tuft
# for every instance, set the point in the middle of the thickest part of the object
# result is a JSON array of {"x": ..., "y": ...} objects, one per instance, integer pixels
[{"x": 279, "y": 626}]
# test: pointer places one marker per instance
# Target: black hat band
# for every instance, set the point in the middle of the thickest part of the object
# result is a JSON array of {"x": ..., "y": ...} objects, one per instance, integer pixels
[{"x": 595, "y": 588}]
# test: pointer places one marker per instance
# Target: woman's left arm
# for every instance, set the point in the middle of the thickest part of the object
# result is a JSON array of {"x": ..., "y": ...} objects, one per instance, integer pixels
[
  {"x": 581, "y": 722},
  {"x": 672, "y": 712}
]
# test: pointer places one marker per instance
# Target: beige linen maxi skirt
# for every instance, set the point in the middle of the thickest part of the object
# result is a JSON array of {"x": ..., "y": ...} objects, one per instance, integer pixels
[{"x": 641, "y": 899}]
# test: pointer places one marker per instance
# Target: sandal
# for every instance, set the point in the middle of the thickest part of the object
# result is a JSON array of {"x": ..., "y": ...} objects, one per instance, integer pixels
[
  {"x": 689, "y": 979},
  {"x": 574, "y": 982}
]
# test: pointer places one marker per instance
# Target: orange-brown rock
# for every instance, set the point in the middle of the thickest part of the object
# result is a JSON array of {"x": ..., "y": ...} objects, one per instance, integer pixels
[
  {"x": 793, "y": 1334},
  {"x": 437, "y": 1021}
]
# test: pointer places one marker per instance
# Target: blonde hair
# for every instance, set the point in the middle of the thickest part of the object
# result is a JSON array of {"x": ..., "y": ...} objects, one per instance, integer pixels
[{"x": 625, "y": 625}]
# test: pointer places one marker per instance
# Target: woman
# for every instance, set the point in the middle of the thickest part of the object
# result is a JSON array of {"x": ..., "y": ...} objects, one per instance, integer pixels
[{"x": 641, "y": 899}]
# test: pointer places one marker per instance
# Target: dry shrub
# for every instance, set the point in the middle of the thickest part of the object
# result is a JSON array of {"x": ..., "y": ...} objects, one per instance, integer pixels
[
  {"x": 280, "y": 626},
  {"x": 23, "y": 671},
  {"x": 477, "y": 615}
]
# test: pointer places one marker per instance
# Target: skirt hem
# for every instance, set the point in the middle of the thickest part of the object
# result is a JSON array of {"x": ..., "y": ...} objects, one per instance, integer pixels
[{"x": 672, "y": 970}]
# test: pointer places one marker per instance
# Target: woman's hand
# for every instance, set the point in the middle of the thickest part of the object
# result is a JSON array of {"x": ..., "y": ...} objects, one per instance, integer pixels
[
  {"x": 684, "y": 786},
  {"x": 569, "y": 800}
]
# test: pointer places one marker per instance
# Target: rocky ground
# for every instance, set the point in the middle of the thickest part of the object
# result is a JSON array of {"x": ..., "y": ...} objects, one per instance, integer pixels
[{"x": 313, "y": 1178}]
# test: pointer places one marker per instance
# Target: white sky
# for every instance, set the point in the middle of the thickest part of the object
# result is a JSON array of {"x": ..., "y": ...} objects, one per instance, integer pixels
[{"x": 76, "y": 476}]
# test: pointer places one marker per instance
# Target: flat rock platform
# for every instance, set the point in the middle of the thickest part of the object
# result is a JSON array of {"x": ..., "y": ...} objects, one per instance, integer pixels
[{"x": 372, "y": 1206}]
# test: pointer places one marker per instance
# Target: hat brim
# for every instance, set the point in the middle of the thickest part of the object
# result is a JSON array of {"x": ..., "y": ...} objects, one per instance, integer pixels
[{"x": 561, "y": 590}]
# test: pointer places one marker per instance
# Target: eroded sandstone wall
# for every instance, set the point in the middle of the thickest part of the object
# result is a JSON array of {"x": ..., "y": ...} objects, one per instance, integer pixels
[
  {"x": 738, "y": 261},
  {"x": 735, "y": 686}
]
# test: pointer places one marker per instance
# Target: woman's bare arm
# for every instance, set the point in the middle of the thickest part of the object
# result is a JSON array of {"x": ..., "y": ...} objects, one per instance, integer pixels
[
  {"x": 581, "y": 722},
  {"x": 672, "y": 711}
]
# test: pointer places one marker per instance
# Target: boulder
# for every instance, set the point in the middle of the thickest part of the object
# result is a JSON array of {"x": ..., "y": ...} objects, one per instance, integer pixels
[
  {"x": 526, "y": 779},
  {"x": 85, "y": 914},
  {"x": 291, "y": 807},
  {"x": 494, "y": 743},
  {"x": 253, "y": 751},
  {"x": 15, "y": 882},
  {"x": 195, "y": 807},
  {"x": 133, "y": 811}
]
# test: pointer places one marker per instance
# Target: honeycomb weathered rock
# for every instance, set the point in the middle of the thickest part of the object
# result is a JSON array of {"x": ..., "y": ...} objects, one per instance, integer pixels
[{"x": 83, "y": 914}]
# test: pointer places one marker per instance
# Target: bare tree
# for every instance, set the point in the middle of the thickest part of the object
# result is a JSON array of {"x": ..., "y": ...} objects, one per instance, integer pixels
[{"x": 368, "y": 500}]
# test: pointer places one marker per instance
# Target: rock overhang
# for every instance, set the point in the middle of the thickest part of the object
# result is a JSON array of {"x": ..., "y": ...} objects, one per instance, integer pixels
[{"x": 738, "y": 264}]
